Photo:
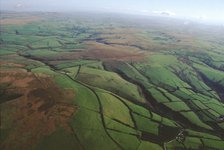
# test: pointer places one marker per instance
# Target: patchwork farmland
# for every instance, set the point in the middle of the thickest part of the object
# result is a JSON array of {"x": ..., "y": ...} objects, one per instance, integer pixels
[{"x": 93, "y": 82}]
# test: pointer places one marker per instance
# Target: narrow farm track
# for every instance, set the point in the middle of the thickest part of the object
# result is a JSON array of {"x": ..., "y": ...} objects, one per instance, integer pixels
[
  {"x": 100, "y": 111},
  {"x": 127, "y": 79},
  {"x": 102, "y": 116}
]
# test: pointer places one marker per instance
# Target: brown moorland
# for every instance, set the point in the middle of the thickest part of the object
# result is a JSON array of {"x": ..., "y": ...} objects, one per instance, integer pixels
[{"x": 40, "y": 107}]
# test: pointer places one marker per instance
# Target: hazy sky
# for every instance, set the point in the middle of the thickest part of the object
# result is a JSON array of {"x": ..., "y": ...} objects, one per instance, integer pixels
[{"x": 204, "y": 10}]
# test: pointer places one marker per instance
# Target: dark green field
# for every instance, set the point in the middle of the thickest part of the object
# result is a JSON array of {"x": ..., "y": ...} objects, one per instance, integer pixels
[{"x": 103, "y": 82}]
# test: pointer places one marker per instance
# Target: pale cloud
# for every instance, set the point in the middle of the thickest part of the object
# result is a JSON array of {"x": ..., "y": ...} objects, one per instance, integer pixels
[
  {"x": 19, "y": 5},
  {"x": 164, "y": 13}
]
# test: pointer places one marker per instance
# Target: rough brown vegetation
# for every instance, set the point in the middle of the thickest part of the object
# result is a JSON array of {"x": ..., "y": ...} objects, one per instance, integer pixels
[{"x": 41, "y": 108}]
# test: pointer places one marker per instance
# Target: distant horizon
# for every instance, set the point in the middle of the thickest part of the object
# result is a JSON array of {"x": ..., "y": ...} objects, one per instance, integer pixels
[
  {"x": 203, "y": 11},
  {"x": 186, "y": 21}
]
